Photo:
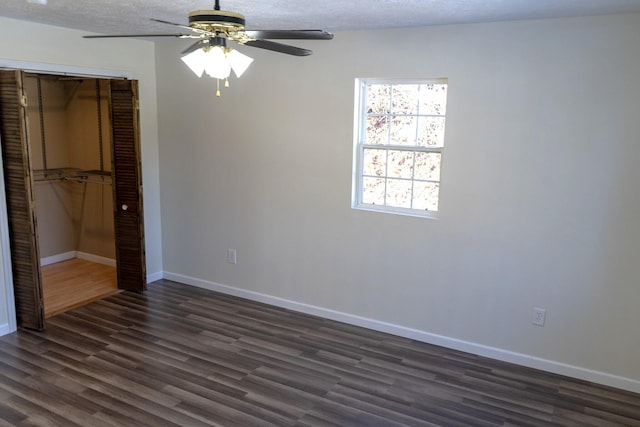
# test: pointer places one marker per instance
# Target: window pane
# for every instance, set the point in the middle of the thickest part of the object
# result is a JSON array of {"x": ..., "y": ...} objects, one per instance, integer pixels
[
  {"x": 425, "y": 195},
  {"x": 403, "y": 130},
  {"x": 377, "y": 130},
  {"x": 378, "y": 98},
  {"x": 431, "y": 131},
  {"x": 373, "y": 191},
  {"x": 399, "y": 144},
  {"x": 428, "y": 166},
  {"x": 375, "y": 162},
  {"x": 400, "y": 164},
  {"x": 433, "y": 99},
  {"x": 404, "y": 99},
  {"x": 399, "y": 193}
]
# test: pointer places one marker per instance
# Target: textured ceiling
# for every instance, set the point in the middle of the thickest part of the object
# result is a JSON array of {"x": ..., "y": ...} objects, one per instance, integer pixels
[{"x": 127, "y": 16}]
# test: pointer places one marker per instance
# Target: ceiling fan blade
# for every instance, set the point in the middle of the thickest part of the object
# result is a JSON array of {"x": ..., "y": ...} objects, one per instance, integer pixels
[
  {"x": 278, "y": 47},
  {"x": 106, "y": 36},
  {"x": 290, "y": 34},
  {"x": 186, "y": 27}
]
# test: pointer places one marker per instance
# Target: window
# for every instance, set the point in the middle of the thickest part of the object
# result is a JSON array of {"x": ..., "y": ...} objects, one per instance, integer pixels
[{"x": 399, "y": 141}]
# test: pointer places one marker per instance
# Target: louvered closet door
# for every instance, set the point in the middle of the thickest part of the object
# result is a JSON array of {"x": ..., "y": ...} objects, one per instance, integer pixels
[
  {"x": 23, "y": 237},
  {"x": 127, "y": 181}
]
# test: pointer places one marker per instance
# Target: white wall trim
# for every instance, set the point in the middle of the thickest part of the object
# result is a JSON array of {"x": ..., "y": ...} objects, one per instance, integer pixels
[
  {"x": 57, "y": 258},
  {"x": 96, "y": 258},
  {"x": 62, "y": 70},
  {"x": 6, "y": 329},
  {"x": 77, "y": 254},
  {"x": 93, "y": 258},
  {"x": 418, "y": 335},
  {"x": 155, "y": 276},
  {"x": 5, "y": 263}
]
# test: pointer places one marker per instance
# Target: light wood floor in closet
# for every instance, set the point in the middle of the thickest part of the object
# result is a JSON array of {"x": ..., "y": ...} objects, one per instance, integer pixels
[{"x": 75, "y": 282}]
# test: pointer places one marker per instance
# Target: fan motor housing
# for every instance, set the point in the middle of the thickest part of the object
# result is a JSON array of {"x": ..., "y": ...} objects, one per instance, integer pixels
[{"x": 216, "y": 21}]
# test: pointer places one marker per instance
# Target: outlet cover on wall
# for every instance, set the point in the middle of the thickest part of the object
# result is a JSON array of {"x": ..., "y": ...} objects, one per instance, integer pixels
[
  {"x": 232, "y": 256},
  {"x": 539, "y": 315}
]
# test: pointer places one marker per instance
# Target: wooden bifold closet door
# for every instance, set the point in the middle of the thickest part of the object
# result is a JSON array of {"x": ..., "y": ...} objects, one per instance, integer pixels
[
  {"x": 21, "y": 209},
  {"x": 127, "y": 181},
  {"x": 21, "y": 213}
]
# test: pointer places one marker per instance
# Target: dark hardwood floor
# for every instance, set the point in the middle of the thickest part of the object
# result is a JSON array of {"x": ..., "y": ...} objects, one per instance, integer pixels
[{"x": 178, "y": 355}]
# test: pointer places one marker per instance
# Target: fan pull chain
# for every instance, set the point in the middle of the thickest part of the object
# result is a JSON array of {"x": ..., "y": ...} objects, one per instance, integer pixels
[{"x": 226, "y": 84}]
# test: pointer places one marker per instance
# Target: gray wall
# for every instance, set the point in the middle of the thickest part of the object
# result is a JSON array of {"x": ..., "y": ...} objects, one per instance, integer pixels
[{"x": 539, "y": 197}]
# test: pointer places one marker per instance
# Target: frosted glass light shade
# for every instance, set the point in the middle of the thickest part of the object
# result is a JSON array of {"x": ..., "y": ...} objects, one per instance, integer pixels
[
  {"x": 216, "y": 64},
  {"x": 196, "y": 61},
  {"x": 239, "y": 62}
]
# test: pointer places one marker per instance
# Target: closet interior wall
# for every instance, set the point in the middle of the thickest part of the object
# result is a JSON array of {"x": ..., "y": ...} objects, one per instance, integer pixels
[{"x": 69, "y": 138}]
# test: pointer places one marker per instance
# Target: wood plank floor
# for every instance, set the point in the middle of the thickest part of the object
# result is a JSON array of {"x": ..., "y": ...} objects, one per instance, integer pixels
[
  {"x": 182, "y": 356},
  {"x": 75, "y": 282}
]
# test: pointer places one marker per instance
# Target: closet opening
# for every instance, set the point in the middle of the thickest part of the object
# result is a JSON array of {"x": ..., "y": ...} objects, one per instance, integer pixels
[
  {"x": 72, "y": 175},
  {"x": 70, "y": 145}
]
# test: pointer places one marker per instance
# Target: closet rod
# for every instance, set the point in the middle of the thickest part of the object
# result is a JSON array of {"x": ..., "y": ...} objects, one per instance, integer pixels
[
  {"x": 52, "y": 174},
  {"x": 46, "y": 179},
  {"x": 86, "y": 181}
]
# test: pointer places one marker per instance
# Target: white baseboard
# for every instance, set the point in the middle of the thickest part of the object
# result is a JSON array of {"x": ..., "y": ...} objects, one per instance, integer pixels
[
  {"x": 77, "y": 254},
  {"x": 96, "y": 258},
  {"x": 93, "y": 258},
  {"x": 57, "y": 258},
  {"x": 154, "y": 276},
  {"x": 418, "y": 335},
  {"x": 6, "y": 329}
]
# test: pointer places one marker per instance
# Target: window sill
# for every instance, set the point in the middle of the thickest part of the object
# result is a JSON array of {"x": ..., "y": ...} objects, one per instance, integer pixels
[{"x": 397, "y": 211}]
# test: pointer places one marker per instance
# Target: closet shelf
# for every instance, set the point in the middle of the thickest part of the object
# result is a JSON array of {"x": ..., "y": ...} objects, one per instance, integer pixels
[
  {"x": 53, "y": 174},
  {"x": 86, "y": 175},
  {"x": 93, "y": 173},
  {"x": 73, "y": 174}
]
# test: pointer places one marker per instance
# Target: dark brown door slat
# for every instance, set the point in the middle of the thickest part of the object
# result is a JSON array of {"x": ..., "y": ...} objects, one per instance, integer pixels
[
  {"x": 23, "y": 238},
  {"x": 127, "y": 180}
]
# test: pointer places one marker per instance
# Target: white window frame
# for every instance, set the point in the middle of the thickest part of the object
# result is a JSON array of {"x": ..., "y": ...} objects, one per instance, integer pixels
[{"x": 360, "y": 117}]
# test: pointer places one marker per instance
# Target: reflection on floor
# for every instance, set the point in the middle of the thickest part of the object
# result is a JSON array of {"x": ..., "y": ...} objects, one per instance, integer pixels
[{"x": 75, "y": 282}]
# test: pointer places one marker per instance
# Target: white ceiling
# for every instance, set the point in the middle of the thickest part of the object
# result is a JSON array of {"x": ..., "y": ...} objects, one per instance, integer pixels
[{"x": 133, "y": 16}]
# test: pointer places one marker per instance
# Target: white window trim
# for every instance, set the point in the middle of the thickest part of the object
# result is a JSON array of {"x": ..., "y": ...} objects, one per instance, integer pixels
[{"x": 358, "y": 150}]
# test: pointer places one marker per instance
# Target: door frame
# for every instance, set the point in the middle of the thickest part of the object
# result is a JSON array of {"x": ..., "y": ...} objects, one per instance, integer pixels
[
  {"x": 5, "y": 259},
  {"x": 5, "y": 252}
]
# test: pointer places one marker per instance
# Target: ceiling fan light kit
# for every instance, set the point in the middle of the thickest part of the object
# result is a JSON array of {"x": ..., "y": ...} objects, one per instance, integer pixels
[
  {"x": 217, "y": 60},
  {"x": 213, "y": 28}
]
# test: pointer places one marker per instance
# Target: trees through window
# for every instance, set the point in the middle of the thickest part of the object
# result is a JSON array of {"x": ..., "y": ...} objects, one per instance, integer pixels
[{"x": 399, "y": 144}]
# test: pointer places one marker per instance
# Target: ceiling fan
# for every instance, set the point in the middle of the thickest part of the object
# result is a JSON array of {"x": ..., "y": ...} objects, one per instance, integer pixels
[{"x": 213, "y": 28}]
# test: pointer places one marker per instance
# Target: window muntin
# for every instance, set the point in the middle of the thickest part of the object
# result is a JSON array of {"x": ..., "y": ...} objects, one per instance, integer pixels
[{"x": 399, "y": 142}]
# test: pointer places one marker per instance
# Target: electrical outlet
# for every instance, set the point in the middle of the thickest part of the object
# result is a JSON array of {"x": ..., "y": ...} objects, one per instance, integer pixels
[
  {"x": 232, "y": 256},
  {"x": 539, "y": 315}
]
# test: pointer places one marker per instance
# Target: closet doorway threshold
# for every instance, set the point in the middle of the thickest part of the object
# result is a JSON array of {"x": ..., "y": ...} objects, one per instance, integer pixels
[{"x": 76, "y": 282}]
